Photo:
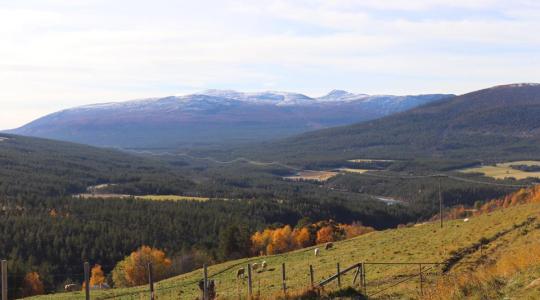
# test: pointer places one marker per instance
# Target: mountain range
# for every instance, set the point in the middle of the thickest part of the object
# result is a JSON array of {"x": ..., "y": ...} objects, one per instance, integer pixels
[
  {"x": 502, "y": 122},
  {"x": 214, "y": 117}
]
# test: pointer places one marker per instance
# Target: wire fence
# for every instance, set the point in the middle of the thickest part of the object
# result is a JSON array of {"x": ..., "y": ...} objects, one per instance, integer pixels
[{"x": 370, "y": 278}]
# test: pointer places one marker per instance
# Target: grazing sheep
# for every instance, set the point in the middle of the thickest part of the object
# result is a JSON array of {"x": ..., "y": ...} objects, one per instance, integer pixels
[
  {"x": 316, "y": 251},
  {"x": 240, "y": 273},
  {"x": 263, "y": 265},
  {"x": 329, "y": 246},
  {"x": 466, "y": 220},
  {"x": 255, "y": 266},
  {"x": 72, "y": 287}
]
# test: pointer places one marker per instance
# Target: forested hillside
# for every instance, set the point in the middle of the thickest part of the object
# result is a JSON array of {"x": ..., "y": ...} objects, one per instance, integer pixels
[
  {"x": 496, "y": 123},
  {"x": 34, "y": 167}
]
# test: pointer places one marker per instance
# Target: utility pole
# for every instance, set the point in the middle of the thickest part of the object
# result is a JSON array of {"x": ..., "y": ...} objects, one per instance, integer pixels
[{"x": 440, "y": 203}]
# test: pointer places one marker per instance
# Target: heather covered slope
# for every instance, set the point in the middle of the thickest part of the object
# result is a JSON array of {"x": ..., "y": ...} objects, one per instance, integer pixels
[{"x": 496, "y": 123}]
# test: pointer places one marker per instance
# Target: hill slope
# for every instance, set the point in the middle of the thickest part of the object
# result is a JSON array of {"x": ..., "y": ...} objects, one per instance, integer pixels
[
  {"x": 213, "y": 117},
  {"x": 38, "y": 167},
  {"x": 502, "y": 232},
  {"x": 499, "y": 122}
]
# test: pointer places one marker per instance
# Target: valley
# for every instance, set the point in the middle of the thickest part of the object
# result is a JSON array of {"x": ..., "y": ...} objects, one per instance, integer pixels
[{"x": 388, "y": 174}]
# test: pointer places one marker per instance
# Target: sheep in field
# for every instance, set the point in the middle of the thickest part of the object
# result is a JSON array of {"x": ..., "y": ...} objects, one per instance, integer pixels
[
  {"x": 263, "y": 265},
  {"x": 72, "y": 287},
  {"x": 329, "y": 246},
  {"x": 240, "y": 273},
  {"x": 316, "y": 251}
]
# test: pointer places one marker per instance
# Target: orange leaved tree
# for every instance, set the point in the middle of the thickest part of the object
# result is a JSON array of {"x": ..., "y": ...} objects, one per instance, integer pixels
[
  {"x": 133, "y": 271},
  {"x": 97, "y": 277},
  {"x": 32, "y": 285},
  {"x": 325, "y": 235}
]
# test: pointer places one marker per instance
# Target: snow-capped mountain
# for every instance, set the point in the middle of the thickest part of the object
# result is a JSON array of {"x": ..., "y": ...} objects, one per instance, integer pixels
[{"x": 213, "y": 117}]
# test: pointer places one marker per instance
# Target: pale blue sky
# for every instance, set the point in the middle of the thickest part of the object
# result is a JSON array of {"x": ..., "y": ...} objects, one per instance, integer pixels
[{"x": 56, "y": 54}]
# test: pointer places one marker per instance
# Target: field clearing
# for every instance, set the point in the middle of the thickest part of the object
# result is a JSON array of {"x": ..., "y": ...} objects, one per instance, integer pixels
[
  {"x": 312, "y": 175},
  {"x": 427, "y": 243},
  {"x": 145, "y": 197},
  {"x": 172, "y": 198},
  {"x": 351, "y": 170},
  {"x": 367, "y": 160},
  {"x": 504, "y": 170}
]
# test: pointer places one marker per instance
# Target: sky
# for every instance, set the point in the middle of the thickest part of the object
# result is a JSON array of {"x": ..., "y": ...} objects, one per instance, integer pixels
[{"x": 56, "y": 54}]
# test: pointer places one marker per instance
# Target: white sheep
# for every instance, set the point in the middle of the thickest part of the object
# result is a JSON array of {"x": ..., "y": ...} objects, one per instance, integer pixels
[
  {"x": 316, "y": 251},
  {"x": 255, "y": 266}
]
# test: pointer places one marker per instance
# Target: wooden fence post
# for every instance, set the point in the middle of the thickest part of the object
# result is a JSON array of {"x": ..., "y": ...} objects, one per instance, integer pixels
[
  {"x": 4, "y": 280},
  {"x": 151, "y": 280},
  {"x": 364, "y": 278},
  {"x": 338, "y": 275},
  {"x": 356, "y": 274},
  {"x": 311, "y": 276},
  {"x": 283, "y": 278},
  {"x": 87, "y": 280},
  {"x": 421, "y": 280},
  {"x": 250, "y": 282},
  {"x": 205, "y": 282}
]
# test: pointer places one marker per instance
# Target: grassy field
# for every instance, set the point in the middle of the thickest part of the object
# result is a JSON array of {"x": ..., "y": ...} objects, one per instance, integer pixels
[
  {"x": 172, "y": 198},
  {"x": 366, "y": 160},
  {"x": 145, "y": 197},
  {"x": 312, "y": 175},
  {"x": 350, "y": 170},
  {"x": 424, "y": 243},
  {"x": 504, "y": 170}
]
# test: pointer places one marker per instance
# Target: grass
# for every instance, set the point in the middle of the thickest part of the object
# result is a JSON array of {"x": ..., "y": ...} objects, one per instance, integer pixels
[
  {"x": 369, "y": 160},
  {"x": 426, "y": 243},
  {"x": 312, "y": 175},
  {"x": 504, "y": 170},
  {"x": 172, "y": 198},
  {"x": 350, "y": 170},
  {"x": 145, "y": 197}
]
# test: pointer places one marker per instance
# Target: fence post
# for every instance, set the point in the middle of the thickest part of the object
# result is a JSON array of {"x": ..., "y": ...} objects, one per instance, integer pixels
[
  {"x": 283, "y": 278},
  {"x": 205, "y": 282},
  {"x": 338, "y": 275},
  {"x": 356, "y": 273},
  {"x": 151, "y": 280},
  {"x": 4, "y": 280},
  {"x": 311, "y": 276},
  {"x": 87, "y": 280},
  {"x": 364, "y": 278},
  {"x": 421, "y": 280},
  {"x": 250, "y": 282},
  {"x": 361, "y": 270}
]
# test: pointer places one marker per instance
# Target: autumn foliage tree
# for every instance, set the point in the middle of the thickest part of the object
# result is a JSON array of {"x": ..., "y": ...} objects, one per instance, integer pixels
[
  {"x": 325, "y": 235},
  {"x": 279, "y": 240},
  {"x": 133, "y": 270},
  {"x": 32, "y": 285},
  {"x": 97, "y": 276}
]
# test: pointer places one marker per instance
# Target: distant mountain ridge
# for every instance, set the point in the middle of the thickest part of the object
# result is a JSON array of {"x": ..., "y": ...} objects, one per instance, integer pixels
[
  {"x": 213, "y": 117},
  {"x": 502, "y": 122}
]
